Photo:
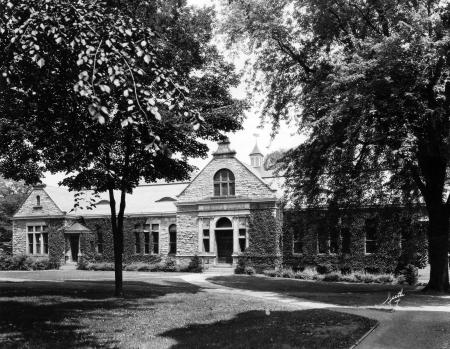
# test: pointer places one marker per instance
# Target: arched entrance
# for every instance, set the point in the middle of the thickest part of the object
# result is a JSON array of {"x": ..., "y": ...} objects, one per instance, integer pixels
[{"x": 224, "y": 240}]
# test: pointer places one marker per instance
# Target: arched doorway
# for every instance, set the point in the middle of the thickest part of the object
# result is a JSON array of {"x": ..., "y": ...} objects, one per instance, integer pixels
[{"x": 224, "y": 240}]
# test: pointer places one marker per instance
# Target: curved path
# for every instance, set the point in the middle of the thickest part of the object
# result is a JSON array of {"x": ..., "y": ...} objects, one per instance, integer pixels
[{"x": 412, "y": 325}]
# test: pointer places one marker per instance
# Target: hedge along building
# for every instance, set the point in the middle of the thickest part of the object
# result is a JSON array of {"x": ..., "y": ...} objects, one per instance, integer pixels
[{"x": 213, "y": 216}]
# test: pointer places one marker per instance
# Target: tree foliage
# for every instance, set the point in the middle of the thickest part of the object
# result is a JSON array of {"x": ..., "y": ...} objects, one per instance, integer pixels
[
  {"x": 103, "y": 97},
  {"x": 368, "y": 83}
]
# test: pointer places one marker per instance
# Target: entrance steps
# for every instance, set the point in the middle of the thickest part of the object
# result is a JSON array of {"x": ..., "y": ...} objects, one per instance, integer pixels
[
  {"x": 68, "y": 266},
  {"x": 227, "y": 269}
]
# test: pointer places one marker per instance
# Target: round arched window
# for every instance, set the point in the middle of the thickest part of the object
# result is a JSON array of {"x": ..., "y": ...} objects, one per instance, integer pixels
[
  {"x": 224, "y": 222},
  {"x": 224, "y": 183}
]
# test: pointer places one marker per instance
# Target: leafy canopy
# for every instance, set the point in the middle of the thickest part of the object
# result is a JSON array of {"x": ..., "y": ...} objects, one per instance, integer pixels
[
  {"x": 91, "y": 90},
  {"x": 366, "y": 81}
]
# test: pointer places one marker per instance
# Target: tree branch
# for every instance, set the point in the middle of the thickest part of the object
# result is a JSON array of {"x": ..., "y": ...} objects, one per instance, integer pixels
[{"x": 294, "y": 55}]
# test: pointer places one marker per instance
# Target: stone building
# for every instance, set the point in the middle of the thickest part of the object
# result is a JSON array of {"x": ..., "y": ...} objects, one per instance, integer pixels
[
  {"x": 228, "y": 209},
  {"x": 208, "y": 217}
]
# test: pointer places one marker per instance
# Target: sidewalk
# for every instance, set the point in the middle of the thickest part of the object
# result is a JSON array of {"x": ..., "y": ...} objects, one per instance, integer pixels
[{"x": 411, "y": 326}]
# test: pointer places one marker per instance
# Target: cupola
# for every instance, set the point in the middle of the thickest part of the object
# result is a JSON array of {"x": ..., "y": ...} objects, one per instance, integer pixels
[{"x": 256, "y": 157}]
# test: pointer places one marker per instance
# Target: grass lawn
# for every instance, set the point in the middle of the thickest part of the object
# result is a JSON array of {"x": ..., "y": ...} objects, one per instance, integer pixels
[
  {"x": 346, "y": 294},
  {"x": 160, "y": 313}
]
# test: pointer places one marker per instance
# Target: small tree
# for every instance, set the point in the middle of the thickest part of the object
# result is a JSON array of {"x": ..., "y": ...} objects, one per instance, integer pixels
[{"x": 97, "y": 101}]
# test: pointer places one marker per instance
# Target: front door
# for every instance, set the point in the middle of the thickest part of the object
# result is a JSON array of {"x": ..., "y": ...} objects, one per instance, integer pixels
[
  {"x": 224, "y": 239},
  {"x": 74, "y": 244}
]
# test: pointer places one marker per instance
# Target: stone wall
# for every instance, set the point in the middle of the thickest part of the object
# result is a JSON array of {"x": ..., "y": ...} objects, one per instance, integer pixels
[
  {"x": 247, "y": 184},
  {"x": 19, "y": 238},
  {"x": 46, "y": 208},
  {"x": 187, "y": 243}
]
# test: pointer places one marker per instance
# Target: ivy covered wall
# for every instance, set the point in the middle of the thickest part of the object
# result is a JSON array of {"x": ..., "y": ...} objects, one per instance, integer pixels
[
  {"x": 264, "y": 251},
  {"x": 101, "y": 229},
  {"x": 336, "y": 239}
]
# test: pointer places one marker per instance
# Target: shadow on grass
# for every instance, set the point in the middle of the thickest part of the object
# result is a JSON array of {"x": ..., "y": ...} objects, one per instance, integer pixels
[
  {"x": 278, "y": 329},
  {"x": 73, "y": 313},
  {"x": 346, "y": 294}
]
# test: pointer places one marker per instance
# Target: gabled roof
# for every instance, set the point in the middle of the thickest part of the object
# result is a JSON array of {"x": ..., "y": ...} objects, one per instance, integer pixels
[
  {"x": 77, "y": 228},
  {"x": 145, "y": 199}
]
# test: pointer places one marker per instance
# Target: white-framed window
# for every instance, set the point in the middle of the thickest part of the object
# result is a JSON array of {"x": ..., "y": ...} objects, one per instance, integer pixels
[
  {"x": 37, "y": 239},
  {"x": 224, "y": 183}
]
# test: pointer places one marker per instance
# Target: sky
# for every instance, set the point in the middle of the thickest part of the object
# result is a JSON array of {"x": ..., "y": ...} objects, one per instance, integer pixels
[{"x": 244, "y": 140}]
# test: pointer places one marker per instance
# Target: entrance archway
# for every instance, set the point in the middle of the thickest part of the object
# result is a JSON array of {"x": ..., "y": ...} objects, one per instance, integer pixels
[{"x": 224, "y": 240}]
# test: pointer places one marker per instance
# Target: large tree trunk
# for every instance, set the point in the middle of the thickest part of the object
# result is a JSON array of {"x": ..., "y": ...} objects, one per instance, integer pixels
[{"x": 438, "y": 248}]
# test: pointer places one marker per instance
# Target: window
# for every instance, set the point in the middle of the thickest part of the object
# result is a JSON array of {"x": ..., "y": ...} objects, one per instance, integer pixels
[
  {"x": 224, "y": 222},
  {"x": 346, "y": 240},
  {"x": 137, "y": 242},
  {"x": 38, "y": 200},
  {"x": 37, "y": 239},
  {"x": 206, "y": 245},
  {"x": 146, "y": 242},
  {"x": 224, "y": 183},
  {"x": 155, "y": 238},
  {"x": 99, "y": 242},
  {"x": 173, "y": 239},
  {"x": 242, "y": 239},
  {"x": 297, "y": 246},
  {"x": 242, "y": 233},
  {"x": 371, "y": 235}
]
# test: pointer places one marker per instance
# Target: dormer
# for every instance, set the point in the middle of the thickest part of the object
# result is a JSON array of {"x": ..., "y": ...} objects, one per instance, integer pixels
[{"x": 256, "y": 157}]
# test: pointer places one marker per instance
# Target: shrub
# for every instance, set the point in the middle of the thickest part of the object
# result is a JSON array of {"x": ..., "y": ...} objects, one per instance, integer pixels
[
  {"x": 325, "y": 268},
  {"x": 307, "y": 274},
  {"x": 41, "y": 264},
  {"x": 346, "y": 269},
  {"x": 82, "y": 264},
  {"x": 384, "y": 279},
  {"x": 100, "y": 266},
  {"x": 170, "y": 265},
  {"x": 249, "y": 270},
  {"x": 195, "y": 265},
  {"x": 21, "y": 262},
  {"x": 332, "y": 277},
  {"x": 411, "y": 274},
  {"x": 146, "y": 267},
  {"x": 288, "y": 273},
  {"x": 272, "y": 273},
  {"x": 240, "y": 267},
  {"x": 5, "y": 262},
  {"x": 349, "y": 278}
]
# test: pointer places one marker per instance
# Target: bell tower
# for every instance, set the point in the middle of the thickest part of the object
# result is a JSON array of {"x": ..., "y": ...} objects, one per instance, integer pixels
[{"x": 256, "y": 157}]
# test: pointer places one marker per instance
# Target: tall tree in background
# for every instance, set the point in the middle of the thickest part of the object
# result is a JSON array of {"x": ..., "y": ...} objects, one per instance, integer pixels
[
  {"x": 368, "y": 82},
  {"x": 93, "y": 88}
]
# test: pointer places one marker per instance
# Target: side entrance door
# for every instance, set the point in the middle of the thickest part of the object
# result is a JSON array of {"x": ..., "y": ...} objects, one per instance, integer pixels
[{"x": 74, "y": 241}]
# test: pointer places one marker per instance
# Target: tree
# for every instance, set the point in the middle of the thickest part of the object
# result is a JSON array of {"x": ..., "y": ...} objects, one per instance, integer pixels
[
  {"x": 92, "y": 89},
  {"x": 12, "y": 195},
  {"x": 368, "y": 82}
]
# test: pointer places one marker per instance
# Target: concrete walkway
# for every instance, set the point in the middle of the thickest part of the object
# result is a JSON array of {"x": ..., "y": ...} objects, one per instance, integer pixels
[{"x": 410, "y": 326}]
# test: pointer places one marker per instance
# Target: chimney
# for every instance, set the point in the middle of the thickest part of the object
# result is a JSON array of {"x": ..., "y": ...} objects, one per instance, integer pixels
[{"x": 223, "y": 149}]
